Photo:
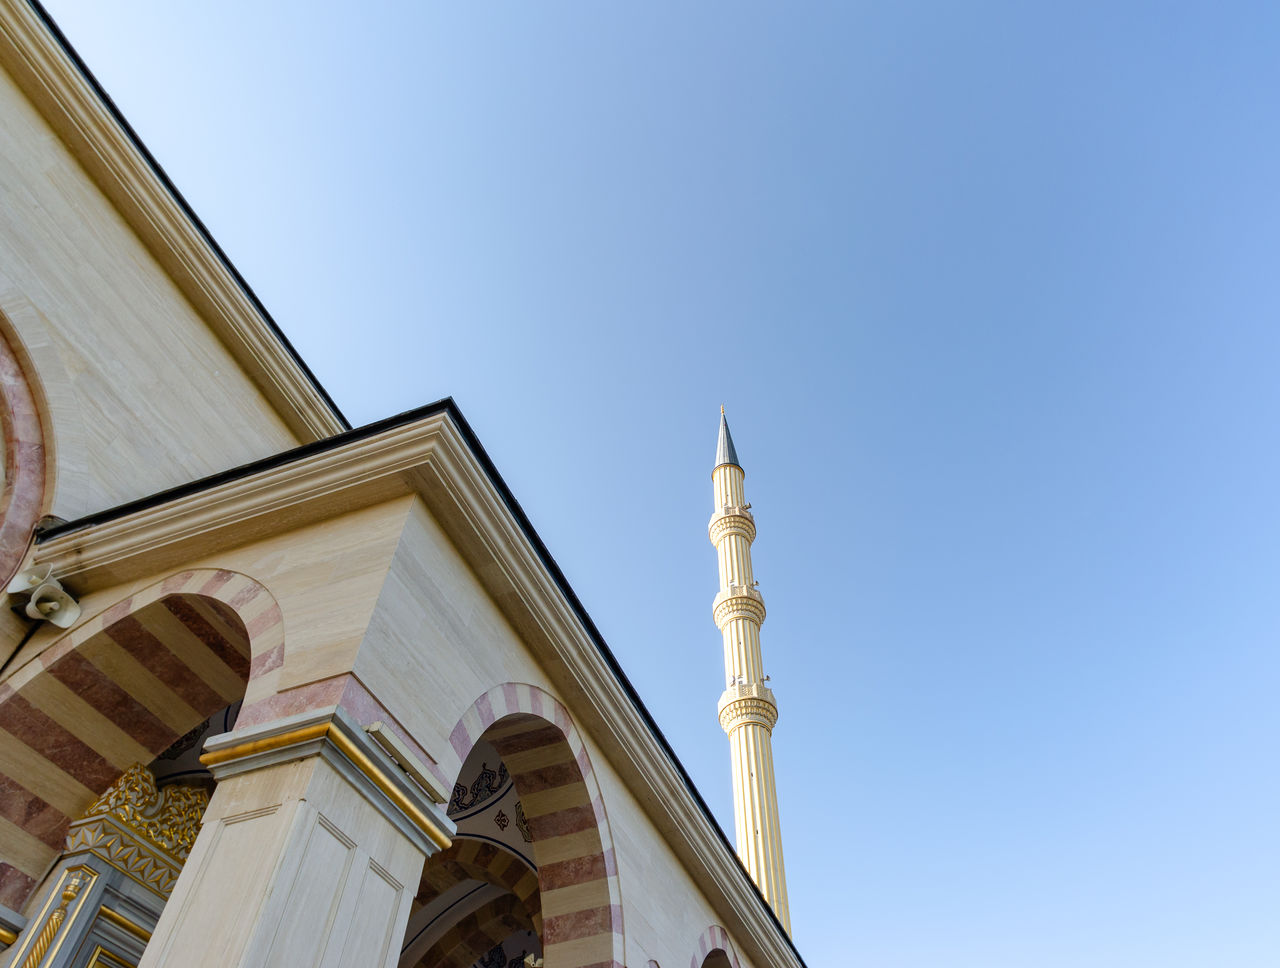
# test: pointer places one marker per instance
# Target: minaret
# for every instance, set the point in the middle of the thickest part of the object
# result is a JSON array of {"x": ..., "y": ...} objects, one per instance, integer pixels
[{"x": 747, "y": 708}]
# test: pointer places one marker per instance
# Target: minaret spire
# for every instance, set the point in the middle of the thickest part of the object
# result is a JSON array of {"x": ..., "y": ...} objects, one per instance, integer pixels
[
  {"x": 725, "y": 453},
  {"x": 748, "y": 710}
]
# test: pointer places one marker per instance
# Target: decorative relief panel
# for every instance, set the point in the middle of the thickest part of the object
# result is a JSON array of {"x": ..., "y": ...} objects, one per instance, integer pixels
[
  {"x": 486, "y": 785},
  {"x": 486, "y": 806},
  {"x": 143, "y": 830}
]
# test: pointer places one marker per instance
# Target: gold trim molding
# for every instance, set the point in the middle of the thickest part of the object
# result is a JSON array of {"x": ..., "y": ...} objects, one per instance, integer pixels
[
  {"x": 120, "y": 921},
  {"x": 331, "y": 732},
  {"x": 102, "y": 958}
]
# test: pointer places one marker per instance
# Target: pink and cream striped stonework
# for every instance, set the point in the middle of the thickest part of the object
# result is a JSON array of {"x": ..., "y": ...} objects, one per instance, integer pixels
[
  {"x": 577, "y": 870},
  {"x": 117, "y": 690},
  {"x": 22, "y": 499},
  {"x": 263, "y": 704},
  {"x": 714, "y": 939}
]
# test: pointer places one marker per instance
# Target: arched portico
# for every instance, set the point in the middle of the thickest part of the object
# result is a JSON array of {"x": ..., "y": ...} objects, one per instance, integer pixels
[
  {"x": 115, "y": 691},
  {"x": 571, "y": 843}
]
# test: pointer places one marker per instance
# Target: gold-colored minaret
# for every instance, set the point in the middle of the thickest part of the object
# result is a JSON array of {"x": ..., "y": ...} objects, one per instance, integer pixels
[{"x": 748, "y": 710}]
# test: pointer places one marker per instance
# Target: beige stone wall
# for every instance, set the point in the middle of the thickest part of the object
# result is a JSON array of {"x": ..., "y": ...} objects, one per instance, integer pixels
[
  {"x": 140, "y": 394},
  {"x": 436, "y": 643},
  {"x": 665, "y": 912}
]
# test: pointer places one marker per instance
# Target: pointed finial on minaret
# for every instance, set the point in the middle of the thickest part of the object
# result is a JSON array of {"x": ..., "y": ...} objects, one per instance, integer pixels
[{"x": 725, "y": 453}]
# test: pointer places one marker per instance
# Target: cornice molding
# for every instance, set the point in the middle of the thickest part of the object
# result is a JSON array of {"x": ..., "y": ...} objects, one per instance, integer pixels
[
  {"x": 72, "y": 106},
  {"x": 432, "y": 457},
  {"x": 291, "y": 494}
]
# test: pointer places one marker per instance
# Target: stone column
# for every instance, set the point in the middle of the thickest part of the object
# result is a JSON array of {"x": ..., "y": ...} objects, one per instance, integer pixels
[{"x": 311, "y": 852}]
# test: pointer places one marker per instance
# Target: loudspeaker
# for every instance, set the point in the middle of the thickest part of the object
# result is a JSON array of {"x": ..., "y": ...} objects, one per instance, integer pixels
[
  {"x": 50, "y": 602},
  {"x": 25, "y": 582}
]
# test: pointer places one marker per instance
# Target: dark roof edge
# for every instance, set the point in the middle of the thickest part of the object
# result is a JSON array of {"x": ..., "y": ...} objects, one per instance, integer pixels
[
  {"x": 448, "y": 406},
  {"x": 187, "y": 210}
]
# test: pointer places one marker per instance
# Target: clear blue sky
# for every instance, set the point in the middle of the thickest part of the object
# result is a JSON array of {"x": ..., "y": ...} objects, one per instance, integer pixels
[{"x": 991, "y": 293}]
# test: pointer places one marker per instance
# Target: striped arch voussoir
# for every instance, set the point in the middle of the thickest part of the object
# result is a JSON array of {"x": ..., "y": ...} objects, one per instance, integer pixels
[
  {"x": 521, "y": 699},
  {"x": 549, "y": 764},
  {"x": 232, "y": 594},
  {"x": 22, "y": 497},
  {"x": 715, "y": 937},
  {"x": 136, "y": 682}
]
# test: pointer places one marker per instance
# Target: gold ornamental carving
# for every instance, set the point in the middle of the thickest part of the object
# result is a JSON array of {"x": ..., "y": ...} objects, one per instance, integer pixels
[
  {"x": 144, "y": 830},
  {"x": 60, "y": 911},
  {"x": 51, "y": 925},
  {"x": 168, "y": 818}
]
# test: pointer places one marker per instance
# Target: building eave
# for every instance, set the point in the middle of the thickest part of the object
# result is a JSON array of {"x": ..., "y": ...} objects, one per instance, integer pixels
[
  {"x": 55, "y": 80},
  {"x": 433, "y": 452}
]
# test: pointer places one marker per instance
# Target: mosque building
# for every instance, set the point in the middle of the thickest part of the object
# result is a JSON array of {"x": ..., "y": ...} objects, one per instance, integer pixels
[{"x": 279, "y": 692}]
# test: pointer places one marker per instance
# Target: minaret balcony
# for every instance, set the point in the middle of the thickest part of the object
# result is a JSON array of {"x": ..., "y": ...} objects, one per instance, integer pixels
[
  {"x": 738, "y": 601},
  {"x": 749, "y": 702},
  {"x": 731, "y": 520}
]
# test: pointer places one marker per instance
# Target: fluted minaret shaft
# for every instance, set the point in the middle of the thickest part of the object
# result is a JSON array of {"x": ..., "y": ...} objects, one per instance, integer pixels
[{"x": 748, "y": 710}]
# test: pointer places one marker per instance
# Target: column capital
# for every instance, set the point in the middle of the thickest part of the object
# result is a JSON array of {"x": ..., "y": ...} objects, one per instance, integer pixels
[{"x": 332, "y": 735}]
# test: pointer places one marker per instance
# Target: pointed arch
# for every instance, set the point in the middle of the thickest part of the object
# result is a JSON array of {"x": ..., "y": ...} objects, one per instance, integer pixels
[
  {"x": 572, "y": 843},
  {"x": 116, "y": 690},
  {"x": 714, "y": 939}
]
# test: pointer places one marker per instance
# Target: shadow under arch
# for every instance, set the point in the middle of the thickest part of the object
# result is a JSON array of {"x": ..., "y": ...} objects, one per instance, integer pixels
[
  {"x": 116, "y": 690},
  {"x": 715, "y": 950},
  {"x": 476, "y": 860},
  {"x": 572, "y": 844}
]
